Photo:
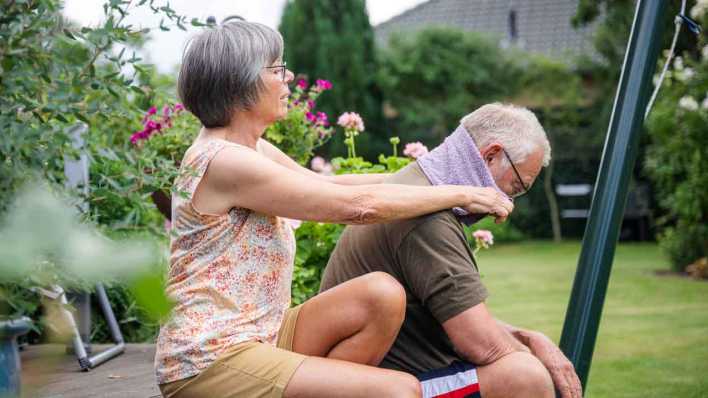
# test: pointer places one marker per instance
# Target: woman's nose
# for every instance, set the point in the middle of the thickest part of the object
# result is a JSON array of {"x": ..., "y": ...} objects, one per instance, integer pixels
[{"x": 289, "y": 76}]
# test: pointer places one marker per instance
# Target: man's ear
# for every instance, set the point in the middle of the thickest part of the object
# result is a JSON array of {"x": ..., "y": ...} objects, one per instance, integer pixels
[{"x": 490, "y": 151}]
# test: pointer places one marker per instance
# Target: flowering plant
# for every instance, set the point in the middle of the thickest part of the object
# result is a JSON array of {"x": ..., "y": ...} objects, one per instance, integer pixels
[
  {"x": 676, "y": 155},
  {"x": 483, "y": 239},
  {"x": 166, "y": 133},
  {"x": 303, "y": 129}
]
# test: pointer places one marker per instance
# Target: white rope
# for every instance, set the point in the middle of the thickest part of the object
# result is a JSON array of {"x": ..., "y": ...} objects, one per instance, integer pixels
[{"x": 678, "y": 22}]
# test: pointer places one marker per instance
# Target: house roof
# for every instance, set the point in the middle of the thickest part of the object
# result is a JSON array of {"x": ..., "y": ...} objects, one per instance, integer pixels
[{"x": 539, "y": 26}]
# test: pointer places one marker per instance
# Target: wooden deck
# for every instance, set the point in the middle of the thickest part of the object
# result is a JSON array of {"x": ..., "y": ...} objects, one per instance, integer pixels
[{"x": 47, "y": 371}]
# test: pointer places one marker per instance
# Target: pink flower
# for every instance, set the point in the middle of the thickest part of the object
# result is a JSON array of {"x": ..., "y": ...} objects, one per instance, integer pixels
[
  {"x": 351, "y": 121},
  {"x": 311, "y": 117},
  {"x": 178, "y": 108},
  {"x": 323, "y": 85},
  {"x": 302, "y": 84},
  {"x": 322, "y": 119},
  {"x": 321, "y": 166},
  {"x": 317, "y": 163},
  {"x": 151, "y": 126},
  {"x": 152, "y": 110},
  {"x": 166, "y": 111},
  {"x": 415, "y": 150},
  {"x": 311, "y": 104},
  {"x": 483, "y": 237}
]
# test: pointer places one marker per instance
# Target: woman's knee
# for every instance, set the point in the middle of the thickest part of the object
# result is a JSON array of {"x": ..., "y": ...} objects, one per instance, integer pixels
[
  {"x": 384, "y": 295},
  {"x": 405, "y": 385}
]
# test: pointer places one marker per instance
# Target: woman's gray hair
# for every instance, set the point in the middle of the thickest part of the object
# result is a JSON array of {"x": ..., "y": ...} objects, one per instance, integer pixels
[
  {"x": 221, "y": 68},
  {"x": 517, "y": 129}
]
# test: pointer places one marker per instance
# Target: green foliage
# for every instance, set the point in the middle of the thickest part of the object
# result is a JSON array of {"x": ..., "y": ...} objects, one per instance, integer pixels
[
  {"x": 677, "y": 160},
  {"x": 334, "y": 40},
  {"x": 54, "y": 75},
  {"x": 316, "y": 241},
  {"x": 432, "y": 79},
  {"x": 301, "y": 131}
]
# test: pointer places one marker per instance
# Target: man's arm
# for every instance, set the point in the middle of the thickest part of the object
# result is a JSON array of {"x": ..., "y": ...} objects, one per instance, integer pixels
[
  {"x": 561, "y": 369},
  {"x": 478, "y": 337}
]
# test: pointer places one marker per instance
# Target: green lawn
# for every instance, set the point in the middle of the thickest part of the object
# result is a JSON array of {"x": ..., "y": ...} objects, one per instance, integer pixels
[{"x": 653, "y": 338}]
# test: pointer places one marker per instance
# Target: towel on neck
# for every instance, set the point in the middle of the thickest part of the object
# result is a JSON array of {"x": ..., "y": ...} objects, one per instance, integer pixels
[{"x": 457, "y": 161}]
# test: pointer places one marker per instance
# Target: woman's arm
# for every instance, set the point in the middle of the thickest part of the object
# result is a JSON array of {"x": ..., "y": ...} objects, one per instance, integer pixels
[
  {"x": 275, "y": 154},
  {"x": 239, "y": 177}
]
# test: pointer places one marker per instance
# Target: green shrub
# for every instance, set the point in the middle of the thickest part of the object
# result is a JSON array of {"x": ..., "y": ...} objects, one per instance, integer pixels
[{"x": 677, "y": 159}]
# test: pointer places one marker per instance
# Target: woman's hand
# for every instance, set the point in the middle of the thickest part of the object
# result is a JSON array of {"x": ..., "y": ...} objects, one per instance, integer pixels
[{"x": 489, "y": 201}]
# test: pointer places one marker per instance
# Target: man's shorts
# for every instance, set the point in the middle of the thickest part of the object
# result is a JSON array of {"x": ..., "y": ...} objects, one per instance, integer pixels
[
  {"x": 249, "y": 369},
  {"x": 459, "y": 380}
]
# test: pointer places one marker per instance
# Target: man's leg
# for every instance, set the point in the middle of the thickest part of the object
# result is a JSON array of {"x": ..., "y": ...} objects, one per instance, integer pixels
[{"x": 518, "y": 375}]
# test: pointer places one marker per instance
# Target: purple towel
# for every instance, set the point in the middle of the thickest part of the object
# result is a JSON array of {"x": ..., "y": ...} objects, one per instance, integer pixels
[{"x": 457, "y": 161}]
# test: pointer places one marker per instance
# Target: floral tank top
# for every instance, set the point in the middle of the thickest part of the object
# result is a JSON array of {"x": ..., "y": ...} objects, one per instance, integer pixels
[{"x": 229, "y": 276}]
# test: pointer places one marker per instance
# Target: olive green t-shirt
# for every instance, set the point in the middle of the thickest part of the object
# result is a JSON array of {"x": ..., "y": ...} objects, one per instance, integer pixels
[{"x": 431, "y": 258}]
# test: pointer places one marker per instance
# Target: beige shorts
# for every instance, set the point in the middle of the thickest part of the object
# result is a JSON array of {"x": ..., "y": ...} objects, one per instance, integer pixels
[{"x": 249, "y": 369}]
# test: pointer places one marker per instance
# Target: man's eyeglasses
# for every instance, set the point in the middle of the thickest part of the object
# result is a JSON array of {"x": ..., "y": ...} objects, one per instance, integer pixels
[
  {"x": 523, "y": 184},
  {"x": 282, "y": 67}
]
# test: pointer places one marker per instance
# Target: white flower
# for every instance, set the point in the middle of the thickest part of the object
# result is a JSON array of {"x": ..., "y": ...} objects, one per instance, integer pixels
[
  {"x": 704, "y": 104},
  {"x": 705, "y": 52},
  {"x": 678, "y": 63},
  {"x": 699, "y": 9},
  {"x": 685, "y": 74},
  {"x": 688, "y": 103}
]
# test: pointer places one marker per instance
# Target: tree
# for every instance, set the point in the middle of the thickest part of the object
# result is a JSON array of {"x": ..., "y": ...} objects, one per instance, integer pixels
[
  {"x": 435, "y": 77},
  {"x": 334, "y": 40}
]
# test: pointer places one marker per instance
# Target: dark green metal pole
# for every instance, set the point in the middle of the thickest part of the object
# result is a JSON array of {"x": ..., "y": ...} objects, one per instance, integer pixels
[{"x": 618, "y": 158}]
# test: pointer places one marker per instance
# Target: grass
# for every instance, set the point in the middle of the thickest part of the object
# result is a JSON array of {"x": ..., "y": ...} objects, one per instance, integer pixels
[{"x": 653, "y": 337}]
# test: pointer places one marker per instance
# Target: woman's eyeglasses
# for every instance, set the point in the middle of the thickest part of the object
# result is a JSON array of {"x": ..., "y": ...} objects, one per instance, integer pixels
[{"x": 282, "y": 67}]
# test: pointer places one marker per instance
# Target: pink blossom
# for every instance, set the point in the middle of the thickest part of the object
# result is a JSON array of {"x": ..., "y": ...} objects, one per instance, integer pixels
[
  {"x": 323, "y": 85},
  {"x": 317, "y": 163},
  {"x": 311, "y": 104},
  {"x": 321, "y": 166},
  {"x": 166, "y": 111},
  {"x": 311, "y": 117},
  {"x": 302, "y": 84},
  {"x": 152, "y": 125},
  {"x": 415, "y": 150},
  {"x": 351, "y": 121},
  {"x": 152, "y": 110},
  {"x": 178, "y": 108},
  {"x": 322, "y": 119},
  {"x": 483, "y": 237}
]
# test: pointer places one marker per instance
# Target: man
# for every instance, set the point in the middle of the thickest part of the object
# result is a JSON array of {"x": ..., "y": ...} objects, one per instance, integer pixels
[{"x": 449, "y": 339}]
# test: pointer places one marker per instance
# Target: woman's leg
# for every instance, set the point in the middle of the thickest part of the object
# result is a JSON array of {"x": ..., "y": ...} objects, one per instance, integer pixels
[
  {"x": 356, "y": 321},
  {"x": 326, "y": 378}
]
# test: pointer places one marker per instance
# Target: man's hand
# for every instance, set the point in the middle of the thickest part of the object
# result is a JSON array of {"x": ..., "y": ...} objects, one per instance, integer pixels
[{"x": 561, "y": 369}]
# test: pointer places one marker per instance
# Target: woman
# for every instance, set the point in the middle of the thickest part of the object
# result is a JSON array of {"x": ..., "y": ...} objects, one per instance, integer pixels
[{"x": 231, "y": 333}]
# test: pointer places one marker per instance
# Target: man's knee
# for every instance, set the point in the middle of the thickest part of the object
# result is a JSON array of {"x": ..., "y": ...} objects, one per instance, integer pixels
[
  {"x": 516, "y": 375},
  {"x": 535, "y": 378}
]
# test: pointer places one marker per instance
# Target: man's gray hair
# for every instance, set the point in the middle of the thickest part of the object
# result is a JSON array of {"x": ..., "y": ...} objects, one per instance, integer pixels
[
  {"x": 221, "y": 68},
  {"x": 516, "y": 128}
]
